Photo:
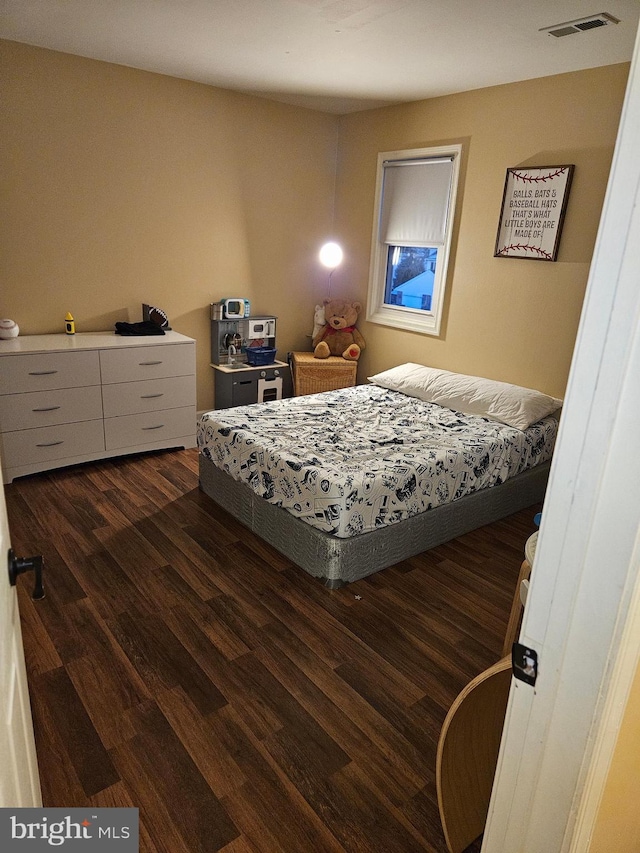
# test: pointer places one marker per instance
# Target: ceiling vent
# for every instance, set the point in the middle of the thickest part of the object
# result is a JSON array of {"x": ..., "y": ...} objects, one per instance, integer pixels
[{"x": 581, "y": 25}]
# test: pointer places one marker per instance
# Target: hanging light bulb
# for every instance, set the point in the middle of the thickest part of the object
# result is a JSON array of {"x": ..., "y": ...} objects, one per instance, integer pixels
[{"x": 331, "y": 255}]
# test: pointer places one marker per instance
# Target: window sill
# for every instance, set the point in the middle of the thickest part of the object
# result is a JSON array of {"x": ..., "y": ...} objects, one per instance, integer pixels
[{"x": 425, "y": 324}]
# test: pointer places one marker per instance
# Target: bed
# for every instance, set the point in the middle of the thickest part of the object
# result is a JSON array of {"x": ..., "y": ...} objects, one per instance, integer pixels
[{"x": 347, "y": 482}]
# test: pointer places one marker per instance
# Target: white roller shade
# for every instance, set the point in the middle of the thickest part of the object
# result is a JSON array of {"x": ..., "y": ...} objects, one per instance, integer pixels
[{"x": 415, "y": 201}]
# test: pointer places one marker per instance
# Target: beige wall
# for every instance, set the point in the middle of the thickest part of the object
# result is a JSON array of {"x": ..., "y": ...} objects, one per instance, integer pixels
[
  {"x": 617, "y": 827},
  {"x": 505, "y": 318},
  {"x": 126, "y": 187}
]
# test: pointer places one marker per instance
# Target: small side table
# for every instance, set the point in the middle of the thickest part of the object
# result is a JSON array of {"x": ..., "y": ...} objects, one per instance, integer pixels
[
  {"x": 520, "y": 595},
  {"x": 314, "y": 375}
]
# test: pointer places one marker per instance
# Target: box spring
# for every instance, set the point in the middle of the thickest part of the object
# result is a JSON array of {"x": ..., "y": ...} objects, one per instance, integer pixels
[{"x": 339, "y": 561}]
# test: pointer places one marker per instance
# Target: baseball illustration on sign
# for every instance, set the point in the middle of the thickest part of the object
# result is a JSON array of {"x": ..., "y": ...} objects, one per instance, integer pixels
[{"x": 532, "y": 215}]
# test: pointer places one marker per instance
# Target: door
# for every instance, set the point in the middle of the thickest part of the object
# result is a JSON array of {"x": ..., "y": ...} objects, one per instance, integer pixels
[
  {"x": 582, "y": 601},
  {"x": 19, "y": 782}
]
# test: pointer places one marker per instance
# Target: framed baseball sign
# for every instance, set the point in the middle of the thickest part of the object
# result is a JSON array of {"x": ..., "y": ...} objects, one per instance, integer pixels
[{"x": 532, "y": 215}]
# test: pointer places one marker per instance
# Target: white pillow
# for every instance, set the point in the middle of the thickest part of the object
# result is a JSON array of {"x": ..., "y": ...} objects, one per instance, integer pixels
[{"x": 509, "y": 404}]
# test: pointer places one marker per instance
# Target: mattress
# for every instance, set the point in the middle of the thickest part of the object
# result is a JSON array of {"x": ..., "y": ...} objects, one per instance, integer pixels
[{"x": 351, "y": 461}]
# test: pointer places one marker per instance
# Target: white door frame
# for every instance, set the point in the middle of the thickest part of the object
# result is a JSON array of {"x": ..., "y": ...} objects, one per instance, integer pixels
[
  {"x": 586, "y": 563},
  {"x": 19, "y": 780}
]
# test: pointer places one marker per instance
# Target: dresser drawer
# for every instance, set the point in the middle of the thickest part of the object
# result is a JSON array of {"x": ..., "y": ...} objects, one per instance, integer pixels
[
  {"x": 130, "y": 398},
  {"x": 48, "y": 370},
  {"x": 46, "y": 444},
  {"x": 44, "y": 408},
  {"x": 136, "y": 430},
  {"x": 148, "y": 362}
]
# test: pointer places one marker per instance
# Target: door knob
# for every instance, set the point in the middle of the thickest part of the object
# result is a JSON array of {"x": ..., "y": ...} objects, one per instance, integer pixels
[{"x": 18, "y": 565}]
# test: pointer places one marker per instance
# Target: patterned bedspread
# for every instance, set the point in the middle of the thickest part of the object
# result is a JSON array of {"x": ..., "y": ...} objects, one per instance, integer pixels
[{"x": 352, "y": 460}]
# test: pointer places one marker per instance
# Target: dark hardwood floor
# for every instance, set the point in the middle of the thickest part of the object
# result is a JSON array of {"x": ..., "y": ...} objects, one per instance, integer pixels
[{"x": 180, "y": 665}]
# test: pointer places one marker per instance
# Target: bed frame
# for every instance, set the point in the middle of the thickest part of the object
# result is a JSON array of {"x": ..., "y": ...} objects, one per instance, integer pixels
[{"x": 339, "y": 561}]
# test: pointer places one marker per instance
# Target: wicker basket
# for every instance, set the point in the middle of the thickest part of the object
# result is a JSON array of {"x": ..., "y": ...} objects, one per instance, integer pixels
[{"x": 313, "y": 375}]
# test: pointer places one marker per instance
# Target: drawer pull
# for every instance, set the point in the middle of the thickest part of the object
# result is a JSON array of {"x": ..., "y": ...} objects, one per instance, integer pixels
[
  {"x": 41, "y": 372},
  {"x": 49, "y": 443},
  {"x": 150, "y": 396},
  {"x": 146, "y": 363},
  {"x": 46, "y": 409},
  {"x": 157, "y": 426}
]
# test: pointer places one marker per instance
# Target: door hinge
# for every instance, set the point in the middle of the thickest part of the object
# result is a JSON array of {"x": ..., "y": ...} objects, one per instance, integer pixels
[{"x": 525, "y": 663}]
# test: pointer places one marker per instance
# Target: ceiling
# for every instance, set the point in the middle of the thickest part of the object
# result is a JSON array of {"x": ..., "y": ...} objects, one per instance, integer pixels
[{"x": 332, "y": 55}]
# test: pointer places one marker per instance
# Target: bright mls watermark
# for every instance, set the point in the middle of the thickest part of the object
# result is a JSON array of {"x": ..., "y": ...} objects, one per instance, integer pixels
[{"x": 83, "y": 830}]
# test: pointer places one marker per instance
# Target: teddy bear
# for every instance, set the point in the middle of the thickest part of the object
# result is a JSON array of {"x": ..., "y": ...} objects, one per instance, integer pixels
[
  {"x": 319, "y": 321},
  {"x": 340, "y": 336}
]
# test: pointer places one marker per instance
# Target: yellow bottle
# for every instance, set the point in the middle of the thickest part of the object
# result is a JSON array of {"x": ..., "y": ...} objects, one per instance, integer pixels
[{"x": 69, "y": 324}]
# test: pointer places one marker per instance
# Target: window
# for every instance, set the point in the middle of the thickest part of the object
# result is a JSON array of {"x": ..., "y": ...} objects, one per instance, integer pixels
[{"x": 415, "y": 203}]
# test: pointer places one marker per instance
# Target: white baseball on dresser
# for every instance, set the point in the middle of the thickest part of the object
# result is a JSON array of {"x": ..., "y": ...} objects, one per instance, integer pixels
[
  {"x": 66, "y": 399},
  {"x": 8, "y": 329}
]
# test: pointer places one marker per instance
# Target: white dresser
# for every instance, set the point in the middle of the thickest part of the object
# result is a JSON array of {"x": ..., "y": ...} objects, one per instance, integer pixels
[{"x": 77, "y": 398}]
